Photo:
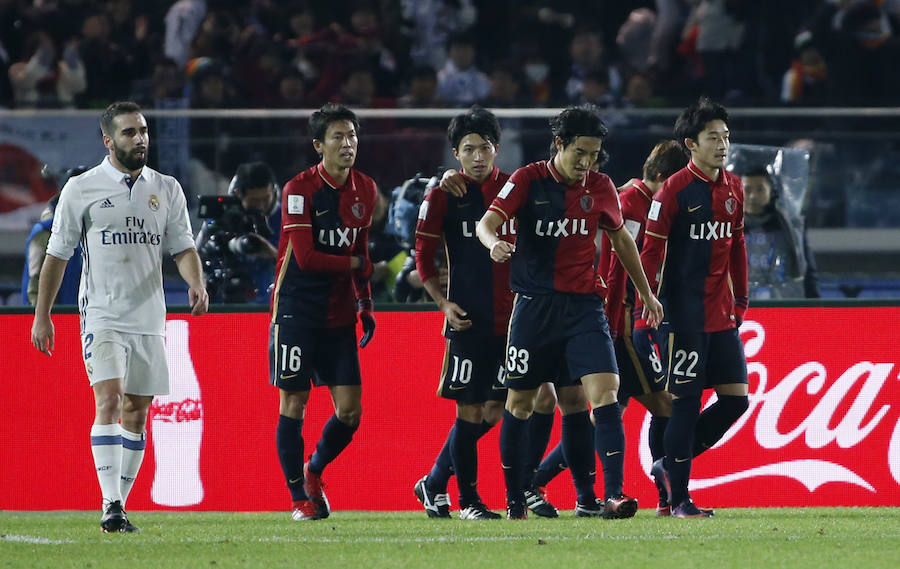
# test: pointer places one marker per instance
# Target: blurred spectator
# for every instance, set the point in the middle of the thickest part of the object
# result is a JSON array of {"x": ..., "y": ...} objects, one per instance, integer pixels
[
  {"x": 634, "y": 39},
  {"x": 670, "y": 18},
  {"x": 40, "y": 79},
  {"x": 182, "y": 22},
  {"x": 36, "y": 250},
  {"x": 537, "y": 71},
  {"x": 717, "y": 31},
  {"x": 805, "y": 82},
  {"x": 422, "y": 91},
  {"x": 781, "y": 264},
  {"x": 858, "y": 39},
  {"x": 110, "y": 68},
  {"x": 358, "y": 90},
  {"x": 589, "y": 57},
  {"x": 291, "y": 91},
  {"x": 219, "y": 35},
  {"x": 639, "y": 93},
  {"x": 595, "y": 90},
  {"x": 429, "y": 23},
  {"x": 208, "y": 86},
  {"x": 505, "y": 87},
  {"x": 167, "y": 81},
  {"x": 258, "y": 69},
  {"x": 460, "y": 82}
]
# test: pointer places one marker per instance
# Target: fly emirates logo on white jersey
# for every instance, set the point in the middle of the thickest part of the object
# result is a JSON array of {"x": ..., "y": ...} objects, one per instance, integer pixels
[
  {"x": 828, "y": 421},
  {"x": 133, "y": 234}
]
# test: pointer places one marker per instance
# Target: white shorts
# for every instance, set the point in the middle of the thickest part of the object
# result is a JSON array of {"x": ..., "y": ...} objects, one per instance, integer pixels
[{"x": 137, "y": 358}]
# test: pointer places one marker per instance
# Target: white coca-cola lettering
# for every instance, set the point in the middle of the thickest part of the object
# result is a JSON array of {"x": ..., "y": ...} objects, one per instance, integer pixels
[
  {"x": 820, "y": 427},
  {"x": 176, "y": 422}
]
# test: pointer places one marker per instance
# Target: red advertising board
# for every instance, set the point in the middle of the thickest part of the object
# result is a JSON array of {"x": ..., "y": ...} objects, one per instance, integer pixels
[{"x": 823, "y": 427}]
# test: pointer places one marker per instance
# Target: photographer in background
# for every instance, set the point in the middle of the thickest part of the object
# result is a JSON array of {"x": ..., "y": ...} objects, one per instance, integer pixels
[
  {"x": 406, "y": 200},
  {"x": 238, "y": 242},
  {"x": 781, "y": 264}
]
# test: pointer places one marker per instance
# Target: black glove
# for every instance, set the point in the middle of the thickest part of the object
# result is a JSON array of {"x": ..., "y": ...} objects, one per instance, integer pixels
[{"x": 367, "y": 317}]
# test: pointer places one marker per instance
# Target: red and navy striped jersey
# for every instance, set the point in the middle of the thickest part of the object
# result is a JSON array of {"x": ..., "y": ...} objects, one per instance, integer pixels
[
  {"x": 477, "y": 284},
  {"x": 556, "y": 227},
  {"x": 620, "y": 297},
  {"x": 694, "y": 250},
  {"x": 323, "y": 225}
]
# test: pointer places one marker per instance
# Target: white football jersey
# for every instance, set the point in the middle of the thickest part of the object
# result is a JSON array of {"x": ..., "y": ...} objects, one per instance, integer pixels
[{"x": 123, "y": 233}]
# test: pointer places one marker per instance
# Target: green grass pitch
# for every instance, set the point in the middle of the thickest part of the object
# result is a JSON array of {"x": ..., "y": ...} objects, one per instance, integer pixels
[{"x": 794, "y": 538}]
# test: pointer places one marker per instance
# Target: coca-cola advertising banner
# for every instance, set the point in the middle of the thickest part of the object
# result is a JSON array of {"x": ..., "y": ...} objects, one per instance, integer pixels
[{"x": 823, "y": 427}]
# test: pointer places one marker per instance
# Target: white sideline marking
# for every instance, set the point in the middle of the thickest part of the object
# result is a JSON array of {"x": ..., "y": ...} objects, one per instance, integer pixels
[{"x": 31, "y": 539}]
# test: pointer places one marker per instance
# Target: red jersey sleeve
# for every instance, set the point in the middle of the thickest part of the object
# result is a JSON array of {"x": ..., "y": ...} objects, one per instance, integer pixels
[
  {"x": 362, "y": 286},
  {"x": 513, "y": 194},
  {"x": 737, "y": 265},
  {"x": 429, "y": 228},
  {"x": 297, "y": 226},
  {"x": 663, "y": 210},
  {"x": 611, "y": 216}
]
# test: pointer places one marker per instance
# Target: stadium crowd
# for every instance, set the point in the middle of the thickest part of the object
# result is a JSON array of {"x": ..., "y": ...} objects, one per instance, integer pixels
[{"x": 438, "y": 53}]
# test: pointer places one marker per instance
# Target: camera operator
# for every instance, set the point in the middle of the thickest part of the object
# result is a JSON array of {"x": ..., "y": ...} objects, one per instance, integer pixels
[
  {"x": 238, "y": 242},
  {"x": 404, "y": 210}
]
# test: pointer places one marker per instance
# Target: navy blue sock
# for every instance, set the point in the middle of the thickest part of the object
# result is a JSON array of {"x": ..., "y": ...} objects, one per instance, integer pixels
[
  {"x": 335, "y": 437},
  {"x": 513, "y": 439},
  {"x": 464, "y": 453},
  {"x": 577, "y": 433},
  {"x": 609, "y": 440},
  {"x": 485, "y": 427},
  {"x": 552, "y": 465},
  {"x": 716, "y": 419},
  {"x": 655, "y": 437},
  {"x": 289, "y": 441},
  {"x": 443, "y": 466},
  {"x": 678, "y": 441},
  {"x": 539, "y": 427}
]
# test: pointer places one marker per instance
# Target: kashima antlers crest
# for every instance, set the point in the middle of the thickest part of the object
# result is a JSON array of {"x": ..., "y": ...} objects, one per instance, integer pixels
[
  {"x": 730, "y": 205},
  {"x": 587, "y": 202},
  {"x": 359, "y": 210}
]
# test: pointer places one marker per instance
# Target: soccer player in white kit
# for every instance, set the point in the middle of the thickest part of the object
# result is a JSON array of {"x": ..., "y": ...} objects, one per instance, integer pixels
[{"x": 125, "y": 215}]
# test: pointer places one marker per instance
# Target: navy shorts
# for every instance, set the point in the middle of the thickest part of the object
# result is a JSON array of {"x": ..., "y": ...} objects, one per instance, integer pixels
[
  {"x": 300, "y": 357},
  {"x": 642, "y": 369},
  {"x": 556, "y": 336},
  {"x": 473, "y": 369},
  {"x": 701, "y": 360}
]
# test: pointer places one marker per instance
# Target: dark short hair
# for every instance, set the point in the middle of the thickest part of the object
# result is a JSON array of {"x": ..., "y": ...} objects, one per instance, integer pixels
[
  {"x": 252, "y": 175},
  {"x": 114, "y": 110},
  {"x": 583, "y": 120},
  {"x": 329, "y": 113},
  {"x": 666, "y": 158},
  {"x": 476, "y": 120},
  {"x": 693, "y": 119}
]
